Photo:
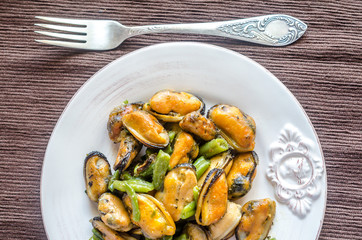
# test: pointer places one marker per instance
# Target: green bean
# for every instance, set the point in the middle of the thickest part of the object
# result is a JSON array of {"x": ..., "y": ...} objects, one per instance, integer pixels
[
  {"x": 161, "y": 166},
  {"x": 138, "y": 185},
  {"x": 213, "y": 147},
  {"x": 182, "y": 237},
  {"x": 126, "y": 176},
  {"x": 199, "y": 161},
  {"x": 171, "y": 135},
  {"x": 169, "y": 149},
  {"x": 94, "y": 237},
  {"x": 189, "y": 210},
  {"x": 136, "y": 214},
  {"x": 114, "y": 177},
  {"x": 202, "y": 168},
  {"x": 97, "y": 234},
  {"x": 201, "y": 165}
]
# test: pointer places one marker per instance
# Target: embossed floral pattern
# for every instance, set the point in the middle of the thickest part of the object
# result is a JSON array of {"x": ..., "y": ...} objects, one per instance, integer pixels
[
  {"x": 294, "y": 172},
  {"x": 255, "y": 29}
]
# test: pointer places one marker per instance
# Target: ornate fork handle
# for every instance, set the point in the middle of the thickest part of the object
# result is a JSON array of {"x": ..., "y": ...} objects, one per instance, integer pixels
[{"x": 273, "y": 30}]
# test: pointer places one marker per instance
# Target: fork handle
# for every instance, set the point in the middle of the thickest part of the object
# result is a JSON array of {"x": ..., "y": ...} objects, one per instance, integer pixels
[{"x": 272, "y": 30}]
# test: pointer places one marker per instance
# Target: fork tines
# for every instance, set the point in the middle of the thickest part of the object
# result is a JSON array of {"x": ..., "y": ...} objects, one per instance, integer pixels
[{"x": 76, "y": 40}]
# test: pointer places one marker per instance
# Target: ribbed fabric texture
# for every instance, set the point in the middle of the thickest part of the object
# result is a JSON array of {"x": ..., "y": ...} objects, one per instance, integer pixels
[{"x": 323, "y": 70}]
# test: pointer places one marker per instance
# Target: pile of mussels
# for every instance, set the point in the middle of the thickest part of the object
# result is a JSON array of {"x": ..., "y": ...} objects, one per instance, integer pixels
[{"x": 184, "y": 185}]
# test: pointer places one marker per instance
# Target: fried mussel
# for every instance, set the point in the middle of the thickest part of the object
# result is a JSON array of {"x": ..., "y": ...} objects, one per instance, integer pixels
[
  {"x": 191, "y": 170},
  {"x": 96, "y": 174},
  {"x": 184, "y": 149},
  {"x": 256, "y": 220},
  {"x": 155, "y": 221},
  {"x": 113, "y": 213},
  {"x": 199, "y": 125},
  {"x": 128, "y": 149},
  {"x": 242, "y": 174},
  {"x": 224, "y": 228},
  {"x": 106, "y": 233},
  {"x": 178, "y": 189},
  {"x": 172, "y": 106},
  {"x": 115, "y": 124},
  {"x": 212, "y": 202},
  {"x": 146, "y": 129},
  {"x": 194, "y": 231},
  {"x": 235, "y": 126},
  {"x": 223, "y": 161}
]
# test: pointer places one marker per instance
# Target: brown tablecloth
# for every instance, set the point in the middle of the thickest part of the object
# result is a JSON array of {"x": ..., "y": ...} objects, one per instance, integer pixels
[{"x": 323, "y": 70}]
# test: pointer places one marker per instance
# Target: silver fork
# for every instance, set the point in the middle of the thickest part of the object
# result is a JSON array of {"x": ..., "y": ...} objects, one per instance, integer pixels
[{"x": 271, "y": 30}]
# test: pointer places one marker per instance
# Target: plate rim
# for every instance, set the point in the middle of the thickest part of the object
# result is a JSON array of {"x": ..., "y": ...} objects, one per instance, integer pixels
[{"x": 181, "y": 44}]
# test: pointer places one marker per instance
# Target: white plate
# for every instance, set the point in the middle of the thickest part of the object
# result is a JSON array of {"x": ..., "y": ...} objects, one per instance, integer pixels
[{"x": 286, "y": 142}]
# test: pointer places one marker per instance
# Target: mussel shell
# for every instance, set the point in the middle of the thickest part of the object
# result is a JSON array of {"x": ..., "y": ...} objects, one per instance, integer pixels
[
  {"x": 222, "y": 160},
  {"x": 114, "y": 124},
  {"x": 257, "y": 218},
  {"x": 146, "y": 129},
  {"x": 173, "y": 116},
  {"x": 137, "y": 232},
  {"x": 212, "y": 202},
  {"x": 129, "y": 147},
  {"x": 113, "y": 213},
  {"x": 198, "y": 125},
  {"x": 235, "y": 126},
  {"x": 96, "y": 174},
  {"x": 224, "y": 228},
  {"x": 178, "y": 189},
  {"x": 186, "y": 166},
  {"x": 155, "y": 222},
  {"x": 107, "y": 232},
  {"x": 242, "y": 174},
  {"x": 141, "y": 168},
  {"x": 196, "y": 232}
]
